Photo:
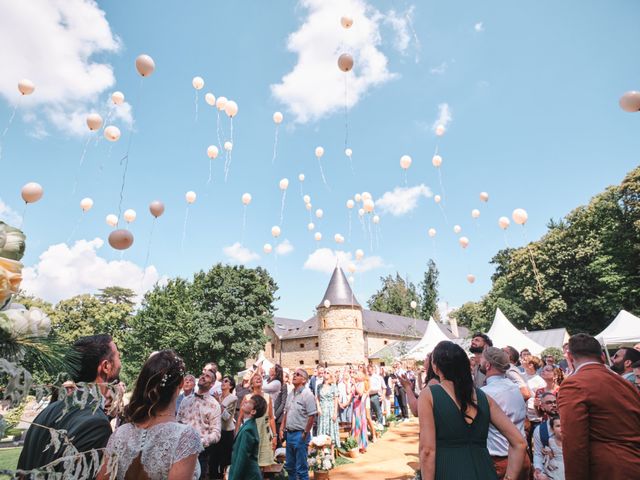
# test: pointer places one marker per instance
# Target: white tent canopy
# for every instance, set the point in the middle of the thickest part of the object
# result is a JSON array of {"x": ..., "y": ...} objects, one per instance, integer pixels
[
  {"x": 432, "y": 336},
  {"x": 623, "y": 330},
  {"x": 502, "y": 333}
]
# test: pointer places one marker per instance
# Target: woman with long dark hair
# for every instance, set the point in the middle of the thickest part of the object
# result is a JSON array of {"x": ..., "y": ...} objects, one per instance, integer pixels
[
  {"x": 152, "y": 445},
  {"x": 454, "y": 423},
  {"x": 220, "y": 457}
]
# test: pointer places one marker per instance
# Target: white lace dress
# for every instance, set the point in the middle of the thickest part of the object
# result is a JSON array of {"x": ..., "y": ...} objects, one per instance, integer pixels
[{"x": 159, "y": 447}]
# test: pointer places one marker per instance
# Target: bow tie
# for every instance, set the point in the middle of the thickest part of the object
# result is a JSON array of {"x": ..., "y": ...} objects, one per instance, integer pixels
[{"x": 199, "y": 395}]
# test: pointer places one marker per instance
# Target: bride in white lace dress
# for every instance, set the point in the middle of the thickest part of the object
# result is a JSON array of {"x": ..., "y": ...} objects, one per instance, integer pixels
[{"x": 153, "y": 446}]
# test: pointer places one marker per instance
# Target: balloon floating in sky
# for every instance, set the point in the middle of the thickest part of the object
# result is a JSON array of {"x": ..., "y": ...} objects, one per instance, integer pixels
[
  {"x": 361, "y": 212},
  {"x": 284, "y": 184},
  {"x": 484, "y": 196},
  {"x": 156, "y": 208},
  {"x": 111, "y": 220},
  {"x": 359, "y": 254},
  {"x": 338, "y": 238},
  {"x": 120, "y": 239},
  {"x": 504, "y": 223},
  {"x": 31, "y": 192},
  {"x": 345, "y": 62},
  {"x": 26, "y": 86},
  {"x": 366, "y": 196},
  {"x": 351, "y": 267},
  {"x": 267, "y": 248},
  {"x": 350, "y": 204},
  {"x": 368, "y": 205},
  {"x": 190, "y": 197},
  {"x": 198, "y": 83},
  {"x": 376, "y": 219},
  {"x": 311, "y": 226},
  {"x": 432, "y": 232},
  {"x": 405, "y": 162},
  {"x": 145, "y": 65},
  {"x": 94, "y": 121},
  {"x": 357, "y": 197},
  {"x": 464, "y": 242},
  {"x": 414, "y": 304},
  {"x": 210, "y": 98},
  {"x": 306, "y": 199},
  {"x": 437, "y": 198},
  {"x": 348, "y": 152},
  {"x": 319, "y": 213},
  {"x": 471, "y": 278},
  {"x": 301, "y": 177},
  {"x": 221, "y": 102},
  {"x": 275, "y": 231},
  {"x": 117, "y": 98},
  {"x": 277, "y": 118},
  {"x": 246, "y": 199},
  {"x": 112, "y": 133},
  {"x": 228, "y": 146},
  {"x": 520, "y": 216},
  {"x": 457, "y": 229},
  {"x": 475, "y": 213},
  {"x": 630, "y": 101},
  {"x": 308, "y": 206},
  {"x": 212, "y": 152},
  {"x": 436, "y": 161},
  {"x": 231, "y": 108},
  {"x": 440, "y": 130},
  {"x": 327, "y": 303},
  {"x": 130, "y": 215},
  {"x": 86, "y": 204},
  {"x": 346, "y": 22},
  {"x": 318, "y": 236},
  {"x": 319, "y": 152}
]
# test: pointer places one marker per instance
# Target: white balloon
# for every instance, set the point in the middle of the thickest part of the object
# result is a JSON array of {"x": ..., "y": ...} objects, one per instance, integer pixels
[
  {"x": 198, "y": 83},
  {"x": 350, "y": 204},
  {"x": 117, "y": 98},
  {"x": 112, "y": 220},
  {"x": 348, "y": 152},
  {"x": 351, "y": 267},
  {"x": 275, "y": 231},
  {"x": 457, "y": 229},
  {"x": 432, "y": 232},
  {"x": 277, "y": 118},
  {"x": 359, "y": 254},
  {"x": 357, "y": 197},
  {"x": 436, "y": 161},
  {"x": 94, "y": 121},
  {"x": 368, "y": 205},
  {"x": 475, "y": 213},
  {"x": 366, "y": 196},
  {"x": 210, "y": 98},
  {"x": 112, "y": 133},
  {"x": 319, "y": 152},
  {"x": 471, "y": 278},
  {"x": 319, "y": 213},
  {"x": 306, "y": 199},
  {"x": 346, "y": 22},
  {"x": 267, "y": 248},
  {"x": 376, "y": 219},
  {"x": 504, "y": 223},
  {"x": 308, "y": 206},
  {"x": 246, "y": 198},
  {"x": 228, "y": 146},
  {"x": 440, "y": 129},
  {"x": 338, "y": 238},
  {"x": 221, "y": 102},
  {"x": 190, "y": 196},
  {"x": 361, "y": 212},
  {"x": 520, "y": 216},
  {"x": 301, "y": 177},
  {"x": 437, "y": 198},
  {"x": 351, "y": 279},
  {"x": 484, "y": 196},
  {"x": 145, "y": 65},
  {"x": 284, "y": 184},
  {"x": 26, "y": 86},
  {"x": 311, "y": 226},
  {"x": 414, "y": 304},
  {"x": 231, "y": 109},
  {"x": 129, "y": 215},
  {"x": 327, "y": 303},
  {"x": 212, "y": 152},
  {"x": 318, "y": 236},
  {"x": 464, "y": 242},
  {"x": 86, "y": 204},
  {"x": 405, "y": 162}
]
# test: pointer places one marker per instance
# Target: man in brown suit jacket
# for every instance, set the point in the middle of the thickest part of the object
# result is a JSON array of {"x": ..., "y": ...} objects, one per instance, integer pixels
[{"x": 600, "y": 415}]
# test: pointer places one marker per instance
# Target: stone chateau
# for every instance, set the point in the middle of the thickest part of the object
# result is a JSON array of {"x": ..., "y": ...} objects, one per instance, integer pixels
[{"x": 342, "y": 332}]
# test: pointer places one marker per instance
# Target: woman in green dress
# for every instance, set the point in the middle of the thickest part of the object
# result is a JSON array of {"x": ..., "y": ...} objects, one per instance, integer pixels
[{"x": 454, "y": 422}]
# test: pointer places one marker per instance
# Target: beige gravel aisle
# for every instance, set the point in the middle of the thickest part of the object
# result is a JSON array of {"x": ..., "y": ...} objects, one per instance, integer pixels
[{"x": 393, "y": 457}]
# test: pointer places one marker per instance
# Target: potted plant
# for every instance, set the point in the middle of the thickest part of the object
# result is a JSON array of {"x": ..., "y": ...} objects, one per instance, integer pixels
[
  {"x": 351, "y": 446},
  {"x": 321, "y": 458}
]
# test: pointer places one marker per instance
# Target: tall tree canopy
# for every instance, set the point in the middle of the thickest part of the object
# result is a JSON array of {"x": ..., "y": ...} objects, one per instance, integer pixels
[
  {"x": 429, "y": 289},
  {"x": 588, "y": 268},
  {"x": 395, "y": 296}
]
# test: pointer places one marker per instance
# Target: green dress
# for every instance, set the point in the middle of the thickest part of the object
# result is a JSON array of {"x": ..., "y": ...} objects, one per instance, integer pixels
[{"x": 461, "y": 448}]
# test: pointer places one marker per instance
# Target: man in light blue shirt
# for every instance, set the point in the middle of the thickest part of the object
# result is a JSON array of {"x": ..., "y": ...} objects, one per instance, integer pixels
[{"x": 494, "y": 364}]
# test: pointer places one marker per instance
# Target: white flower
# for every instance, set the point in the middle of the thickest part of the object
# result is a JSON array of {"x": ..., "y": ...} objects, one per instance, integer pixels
[{"x": 326, "y": 464}]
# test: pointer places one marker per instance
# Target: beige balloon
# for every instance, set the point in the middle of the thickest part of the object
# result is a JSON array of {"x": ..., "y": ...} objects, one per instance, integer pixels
[
  {"x": 120, "y": 239},
  {"x": 350, "y": 204},
  {"x": 112, "y": 220},
  {"x": 311, "y": 226},
  {"x": 319, "y": 152},
  {"x": 130, "y": 215},
  {"x": 112, "y": 133},
  {"x": 246, "y": 198},
  {"x": 405, "y": 162},
  {"x": 348, "y": 152},
  {"x": 475, "y": 213},
  {"x": 190, "y": 196},
  {"x": 464, "y": 242},
  {"x": 414, "y": 304},
  {"x": 228, "y": 146},
  {"x": 267, "y": 248},
  {"x": 86, "y": 204},
  {"x": 212, "y": 152},
  {"x": 117, "y": 98},
  {"x": 145, "y": 65},
  {"x": 221, "y": 102},
  {"x": 338, "y": 238},
  {"x": 31, "y": 192},
  {"x": 376, "y": 219},
  {"x": 301, "y": 177},
  {"x": 437, "y": 198},
  {"x": 432, "y": 232},
  {"x": 436, "y": 161},
  {"x": 319, "y": 213},
  {"x": 359, "y": 254},
  {"x": 275, "y": 231},
  {"x": 361, "y": 212},
  {"x": 306, "y": 199},
  {"x": 156, "y": 208},
  {"x": 504, "y": 223},
  {"x": 198, "y": 83},
  {"x": 327, "y": 303},
  {"x": 210, "y": 98},
  {"x": 26, "y": 86},
  {"x": 308, "y": 206},
  {"x": 277, "y": 118},
  {"x": 346, "y": 22},
  {"x": 94, "y": 121},
  {"x": 440, "y": 130},
  {"x": 457, "y": 229},
  {"x": 630, "y": 101},
  {"x": 284, "y": 184},
  {"x": 520, "y": 216},
  {"x": 231, "y": 109},
  {"x": 368, "y": 205},
  {"x": 484, "y": 197},
  {"x": 345, "y": 62},
  {"x": 366, "y": 196},
  {"x": 318, "y": 236},
  {"x": 357, "y": 197},
  {"x": 471, "y": 278},
  {"x": 351, "y": 267}
]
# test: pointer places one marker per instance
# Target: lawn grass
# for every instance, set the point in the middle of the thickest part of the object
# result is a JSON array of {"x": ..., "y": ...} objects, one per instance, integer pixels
[{"x": 9, "y": 458}]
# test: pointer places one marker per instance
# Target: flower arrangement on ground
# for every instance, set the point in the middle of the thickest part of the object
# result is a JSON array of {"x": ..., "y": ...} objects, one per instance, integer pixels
[{"x": 320, "y": 456}]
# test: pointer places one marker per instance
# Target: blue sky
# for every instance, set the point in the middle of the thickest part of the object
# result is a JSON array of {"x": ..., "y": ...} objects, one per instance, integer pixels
[{"x": 532, "y": 89}]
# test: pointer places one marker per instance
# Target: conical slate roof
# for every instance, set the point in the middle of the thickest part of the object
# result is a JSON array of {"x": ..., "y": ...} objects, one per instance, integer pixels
[{"x": 339, "y": 291}]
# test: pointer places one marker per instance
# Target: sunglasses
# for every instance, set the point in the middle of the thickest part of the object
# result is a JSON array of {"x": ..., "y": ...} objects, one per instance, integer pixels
[
  {"x": 550, "y": 402},
  {"x": 296, "y": 374}
]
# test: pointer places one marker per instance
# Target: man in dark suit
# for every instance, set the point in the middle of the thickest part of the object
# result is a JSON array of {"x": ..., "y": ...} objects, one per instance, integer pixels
[
  {"x": 87, "y": 427},
  {"x": 600, "y": 414}
]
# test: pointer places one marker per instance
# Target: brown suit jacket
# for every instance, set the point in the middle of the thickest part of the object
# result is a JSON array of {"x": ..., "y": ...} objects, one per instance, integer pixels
[{"x": 600, "y": 416}]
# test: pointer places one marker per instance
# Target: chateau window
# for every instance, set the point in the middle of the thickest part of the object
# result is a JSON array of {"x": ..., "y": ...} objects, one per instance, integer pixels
[
  {"x": 301, "y": 362},
  {"x": 317, "y": 362},
  {"x": 302, "y": 345},
  {"x": 273, "y": 352},
  {"x": 317, "y": 344},
  {"x": 385, "y": 342}
]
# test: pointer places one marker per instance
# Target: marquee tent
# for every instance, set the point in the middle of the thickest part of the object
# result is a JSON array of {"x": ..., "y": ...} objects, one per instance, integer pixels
[
  {"x": 432, "y": 336},
  {"x": 502, "y": 333},
  {"x": 624, "y": 330}
]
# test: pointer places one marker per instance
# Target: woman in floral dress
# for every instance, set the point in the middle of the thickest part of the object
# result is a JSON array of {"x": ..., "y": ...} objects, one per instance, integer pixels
[{"x": 328, "y": 409}]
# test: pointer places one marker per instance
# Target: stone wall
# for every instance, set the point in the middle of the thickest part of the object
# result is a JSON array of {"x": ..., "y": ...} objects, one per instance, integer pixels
[
  {"x": 341, "y": 339},
  {"x": 376, "y": 341},
  {"x": 298, "y": 350}
]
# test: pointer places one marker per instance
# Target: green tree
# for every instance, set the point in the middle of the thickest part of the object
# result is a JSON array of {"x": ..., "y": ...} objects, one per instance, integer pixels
[
  {"x": 395, "y": 296},
  {"x": 429, "y": 289},
  {"x": 218, "y": 316}
]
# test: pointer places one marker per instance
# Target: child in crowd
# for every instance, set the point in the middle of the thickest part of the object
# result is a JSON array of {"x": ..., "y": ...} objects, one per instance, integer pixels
[{"x": 244, "y": 459}]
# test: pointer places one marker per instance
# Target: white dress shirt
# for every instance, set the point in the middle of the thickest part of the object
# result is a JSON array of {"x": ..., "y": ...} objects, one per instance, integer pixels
[
  {"x": 376, "y": 383},
  {"x": 507, "y": 396}
]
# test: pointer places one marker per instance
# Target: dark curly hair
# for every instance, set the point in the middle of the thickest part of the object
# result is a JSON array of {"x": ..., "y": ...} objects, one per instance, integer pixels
[{"x": 160, "y": 377}]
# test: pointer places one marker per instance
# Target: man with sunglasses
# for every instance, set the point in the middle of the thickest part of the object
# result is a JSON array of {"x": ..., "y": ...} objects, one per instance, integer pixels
[{"x": 541, "y": 434}]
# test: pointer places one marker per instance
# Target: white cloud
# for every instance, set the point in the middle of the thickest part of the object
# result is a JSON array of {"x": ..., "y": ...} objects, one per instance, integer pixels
[
  {"x": 440, "y": 69},
  {"x": 284, "y": 248},
  {"x": 53, "y": 43},
  {"x": 402, "y": 200},
  {"x": 478, "y": 27},
  {"x": 238, "y": 253},
  {"x": 315, "y": 87},
  {"x": 400, "y": 24},
  {"x": 9, "y": 215},
  {"x": 444, "y": 116},
  {"x": 325, "y": 260},
  {"x": 64, "y": 272}
]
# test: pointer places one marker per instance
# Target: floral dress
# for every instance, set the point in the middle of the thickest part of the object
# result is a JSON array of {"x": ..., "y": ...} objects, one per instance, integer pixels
[
  {"x": 359, "y": 420},
  {"x": 326, "y": 424}
]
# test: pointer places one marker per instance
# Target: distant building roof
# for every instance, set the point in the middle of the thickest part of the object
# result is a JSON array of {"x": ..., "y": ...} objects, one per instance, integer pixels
[
  {"x": 339, "y": 291},
  {"x": 395, "y": 350},
  {"x": 554, "y": 337}
]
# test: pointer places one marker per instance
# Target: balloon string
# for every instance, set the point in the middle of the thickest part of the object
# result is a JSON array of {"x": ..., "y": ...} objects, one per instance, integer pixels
[
  {"x": 84, "y": 152},
  {"x": 6, "y": 129},
  {"x": 536, "y": 273},
  {"x": 370, "y": 234},
  {"x": 275, "y": 147},
  {"x": 244, "y": 223},
  {"x": 435, "y": 251},
  {"x": 210, "y": 171},
  {"x": 364, "y": 231},
  {"x": 504, "y": 234},
  {"x": 231, "y": 128},
  {"x": 378, "y": 236},
  {"x": 350, "y": 226},
  {"x": 24, "y": 212},
  {"x": 405, "y": 178},
  {"x": 441, "y": 184},
  {"x": 446, "y": 220},
  {"x": 301, "y": 191},
  {"x": 284, "y": 195},
  {"x": 184, "y": 229},
  {"x": 218, "y": 130},
  {"x": 227, "y": 165},
  {"x": 146, "y": 259},
  {"x": 324, "y": 180},
  {"x": 68, "y": 242},
  {"x": 196, "y": 103},
  {"x": 346, "y": 114},
  {"x": 415, "y": 35},
  {"x": 353, "y": 172}
]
